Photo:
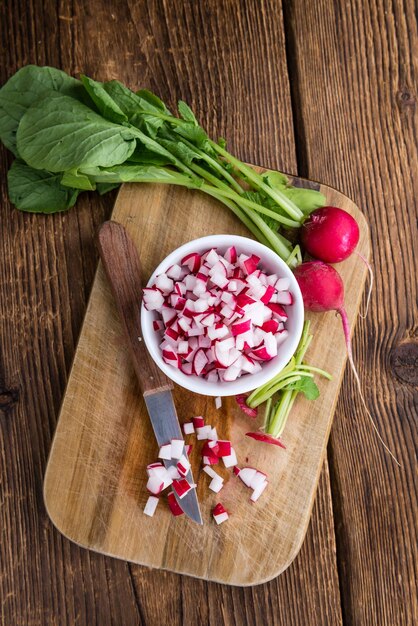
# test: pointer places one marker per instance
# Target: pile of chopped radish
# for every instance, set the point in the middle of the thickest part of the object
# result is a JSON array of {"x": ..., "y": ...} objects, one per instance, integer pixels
[
  {"x": 175, "y": 454},
  {"x": 219, "y": 316}
]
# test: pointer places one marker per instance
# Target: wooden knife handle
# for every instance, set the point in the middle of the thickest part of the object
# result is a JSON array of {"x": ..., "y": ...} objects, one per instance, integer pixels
[{"x": 122, "y": 266}]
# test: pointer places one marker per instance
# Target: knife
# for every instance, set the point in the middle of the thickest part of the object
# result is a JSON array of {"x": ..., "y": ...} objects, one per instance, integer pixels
[{"x": 123, "y": 269}]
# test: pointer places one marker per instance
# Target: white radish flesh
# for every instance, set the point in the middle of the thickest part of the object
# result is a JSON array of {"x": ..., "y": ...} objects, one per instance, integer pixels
[{"x": 151, "y": 505}]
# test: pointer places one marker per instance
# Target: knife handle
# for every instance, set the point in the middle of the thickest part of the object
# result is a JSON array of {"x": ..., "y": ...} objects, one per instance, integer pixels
[{"x": 123, "y": 269}]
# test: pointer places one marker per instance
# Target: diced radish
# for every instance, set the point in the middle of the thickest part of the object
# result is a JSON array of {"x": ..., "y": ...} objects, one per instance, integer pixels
[
  {"x": 256, "y": 480},
  {"x": 247, "y": 474},
  {"x": 177, "y": 448},
  {"x": 157, "y": 325},
  {"x": 173, "y": 472},
  {"x": 151, "y": 505},
  {"x": 219, "y": 279},
  {"x": 153, "y": 299},
  {"x": 269, "y": 292},
  {"x": 188, "y": 428},
  {"x": 231, "y": 255},
  {"x": 231, "y": 459},
  {"x": 236, "y": 470},
  {"x": 203, "y": 432},
  {"x": 212, "y": 377},
  {"x": 218, "y": 402},
  {"x": 192, "y": 261},
  {"x": 184, "y": 324},
  {"x": 182, "y": 487},
  {"x": 282, "y": 284},
  {"x": 183, "y": 466},
  {"x": 218, "y": 268},
  {"x": 278, "y": 311},
  {"x": 211, "y": 258},
  {"x": 187, "y": 368},
  {"x": 241, "y": 327},
  {"x": 284, "y": 297},
  {"x": 175, "y": 508},
  {"x": 155, "y": 485},
  {"x": 165, "y": 452},
  {"x": 224, "y": 447},
  {"x": 258, "y": 491},
  {"x": 200, "y": 360},
  {"x": 164, "y": 283},
  {"x": 198, "y": 422},
  {"x": 168, "y": 315},
  {"x": 213, "y": 435},
  {"x": 210, "y": 460},
  {"x": 188, "y": 447},
  {"x": 270, "y": 326},
  {"x": 210, "y": 472},
  {"x": 218, "y": 332},
  {"x": 231, "y": 373},
  {"x": 205, "y": 342},
  {"x": 180, "y": 288},
  {"x": 211, "y": 448},
  {"x": 183, "y": 347},
  {"x": 216, "y": 484},
  {"x": 220, "y": 515}
]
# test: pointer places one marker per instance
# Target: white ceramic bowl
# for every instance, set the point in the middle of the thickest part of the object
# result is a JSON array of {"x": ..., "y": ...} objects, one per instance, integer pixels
[{"x": 270, "y": 263}]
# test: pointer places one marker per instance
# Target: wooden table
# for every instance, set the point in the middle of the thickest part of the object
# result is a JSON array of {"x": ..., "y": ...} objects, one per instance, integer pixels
[{"x": 323, "y": 89}]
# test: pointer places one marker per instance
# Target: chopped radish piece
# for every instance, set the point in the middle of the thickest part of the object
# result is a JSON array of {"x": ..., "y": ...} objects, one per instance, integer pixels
[
  {"x": 153, "y": 299},
  {"x": 266, "y": 438},
  {"x": 155, "y": 485},
  {"x": 224, "y": 447},
  {"x": 231, "y": 255},
  {"x": 165, "y": 452},
  {"x": 188, "y": 447},
  {"x": 216, "y": 484},
  {"x": 284, "y": 297},
  {"x": 231, "y": 459},
  {"x": 175, "y": 272},
  {"x": 210, "y": 460},
  {"x": 177, "y": 448},
  {"x": 257, "y": 480},
  {"x": 210, "y": 472},
  {"x": 188, "y": 428},
  {"x": 213, "y": 435},
  {"x": 174, "y": 505},
  {"x": 220, "y": 514},
  {"x": 282, "y": 284},
  {"x": 182, "y": 487},
  {"x": 203, "y": 432},
  {"x": 211, "y": 448},
  {"x": 241, "y": 399},
  {"x": 150, "y": 506},
  {"x": 258, "y": 491},
  {"x": 183, "y": 466},
  {"x": 218, "y": 402},
  {"x": 165, "y": 284},
  {"x": 246, "y": 475},
  {"x": 192, "y": 261},
  {"x": 173, "y": 472},
  {"x": 236, "y": 470},
  {"x": 198, "y": 422}
]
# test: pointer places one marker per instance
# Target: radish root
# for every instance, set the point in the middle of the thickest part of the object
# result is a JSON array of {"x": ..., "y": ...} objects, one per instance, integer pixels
[
  {"x": 371, "y": 280},
  {"x": 346, "y": 327}
]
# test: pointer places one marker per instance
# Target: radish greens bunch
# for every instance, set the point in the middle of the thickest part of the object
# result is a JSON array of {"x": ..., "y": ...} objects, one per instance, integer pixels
[{"x": 70, "y": 136}]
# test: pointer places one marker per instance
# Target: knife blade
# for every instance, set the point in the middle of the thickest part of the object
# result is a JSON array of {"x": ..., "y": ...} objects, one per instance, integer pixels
[{"x": 123, "y": 269}]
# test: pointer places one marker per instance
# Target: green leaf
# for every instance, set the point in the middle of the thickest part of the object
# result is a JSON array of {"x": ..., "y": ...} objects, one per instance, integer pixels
[
  {"x": 142, "y": 174},
  {"x": 59, "y": 133},
  {"x": 307, "y": 386},
  {"x": 180, "y": 151},
  {"x": 144, "y": 156},
  {"x": 73, "y": 178},
  {"x": 186, "y": 113},
  {"x": 154, "y": 101},
  {"x": 38, "y": 191},
  {"x": 193, "y": 133},
  {"x": 276, "y": 180},
  {"x": 23, "y": 89},
  {"x": 139, "y": 111},
  {"x": 103, "y": 101},
  {"x": 103, "y": 188}
]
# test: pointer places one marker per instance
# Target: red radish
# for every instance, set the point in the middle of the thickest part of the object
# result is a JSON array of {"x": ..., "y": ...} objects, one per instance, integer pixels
[
  {"x": 330, "y": 234},
  {"x": 199, "y": 361},
  {"x": 188, "y": 447},
  {"x": 242, "y": 401},
  {"x": 323, "y": 290},
  {"x": 216, "y": 484},
  {"x": 230, "y": 460},
  {"x": 192, "y": 261},
  {"x": 211, "y": 450},
  {"x": 236, "y": 470},
  {"x": 183, "y": 466},
  {"x": 153, "y": 298},
  {"x": 247, "y": 474},
  {"x": 198, "y": 422},
  {"x": 165, "y": 452},
  {"x": 182, "y": 487},
  {"x": 173, "y": 472},
  {"x": 210, "y": 472},
  {"x": 203, "y": 432},
  {"x": 218, "y": 402},
  {"x": 188, "y": 428},
  {"x": 264, "y": 437},
  {"x": 177, "y": 448},
  {"x": 220, "y": 514},
  {"x": 150, "y": 506},
  {"x": 175, "y": 508},
  {"x": 224, "y": 447},
  {"x": 157, "y": 325},
  {"x": 155, "y": 485},
  {"x": 258, "y": 491},
  {"x": 210, "y": 460}
]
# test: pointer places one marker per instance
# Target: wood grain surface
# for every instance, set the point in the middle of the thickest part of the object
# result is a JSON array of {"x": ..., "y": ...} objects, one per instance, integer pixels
[
  {"x": 241, "y": 65},
  {"x": 95, "y": 481}
]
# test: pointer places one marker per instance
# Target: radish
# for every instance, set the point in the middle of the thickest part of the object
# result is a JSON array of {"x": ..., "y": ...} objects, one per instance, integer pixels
[
  {"x": 188, "y": 428},
  {"x": 323, "y": 290},
  {"x": 242, "y": 402},
  {"x": 258, "y": 491},
  {"x": 165, "y": 452},
  {"x": 175, "y": 508},
  {"x": 210, "y": 472},
  {"x": 220, "y": 514},
  {"x": 151, "y": 505},
  {"x": 266, "y": 438},
  {"x": 330, "y": 234},
  {"x": 177, "y": 447},
  {"x": 155, "y": 485},
  {"x": 231, "y": 459},
  {"x": 216, "y": 484},
  {"x": 153, "y": 298},
  {"x": 182, "y": 487},
  {"x": 198, "y": 421},
  {"x": 183, "y": 466}
]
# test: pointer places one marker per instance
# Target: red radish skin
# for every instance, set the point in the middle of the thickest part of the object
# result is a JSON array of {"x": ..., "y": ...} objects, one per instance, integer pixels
[
  {"x": 330, "y": 234},
  {"x": 175, "y": 508},
  {"x": 241, "y": 400},
  {"x": 265, "y": 438},
  {"x": 323, "y": 290}
]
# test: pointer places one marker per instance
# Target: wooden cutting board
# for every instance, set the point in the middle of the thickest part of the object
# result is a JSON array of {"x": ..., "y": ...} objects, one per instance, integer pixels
[{"x": 95, "y": 480}]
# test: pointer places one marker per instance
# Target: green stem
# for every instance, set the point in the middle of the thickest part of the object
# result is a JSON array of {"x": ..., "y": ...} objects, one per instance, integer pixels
[
  {"x": 287, "y": 205},
  {"x": 311, "y": 368}
]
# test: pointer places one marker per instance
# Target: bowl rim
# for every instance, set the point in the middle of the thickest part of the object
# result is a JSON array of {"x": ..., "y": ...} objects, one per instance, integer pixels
[{"x": 249, "y": 381}]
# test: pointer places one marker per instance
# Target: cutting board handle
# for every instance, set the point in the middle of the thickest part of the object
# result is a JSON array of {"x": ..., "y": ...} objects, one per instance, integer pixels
[{"x": 123, "y": 269}]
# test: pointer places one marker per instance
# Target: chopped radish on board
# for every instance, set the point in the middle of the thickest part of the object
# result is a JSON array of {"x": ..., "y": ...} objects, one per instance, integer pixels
[
  {"x": 198, "y": 422},
  {"x": 203, "y": 432},
  {"x": 188, "y": 447},
  {"x": 236, "y": 470},
  {"x": 210, "y": 460},
  {"x": 224, "y": 447},
  {"x": 183, "y": 466},
  {"x": 182, "y": 487},
  {"x": 165, "y": 452},
  {"x": 258, "y": 491},
  {"x": 173, "y": 472},
  {"x": 231, "y": 459},
  {"x": 155, "y": 485},
  {"x": 216, "y": 484},
  {"x": 150, "y": 506},
  {"x": 264, "y": 437},
  {"x": 219, "y": 514},
  {"x": 210, "y": 472},
  {"x": 188, "y": 428},
  {"x": 177, "y": 447},
  {"x": 241, "y": 399},
  {"x": 247, "y": 474},
  {"x": 174, "y": 505}
]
